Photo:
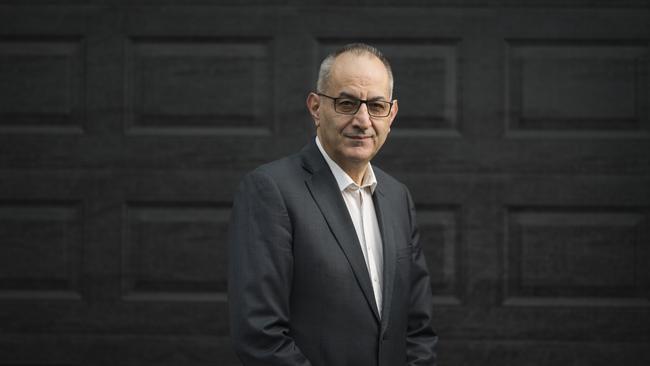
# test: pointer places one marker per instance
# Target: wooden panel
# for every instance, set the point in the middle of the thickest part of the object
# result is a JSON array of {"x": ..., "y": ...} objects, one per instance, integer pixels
[
  {"x": 174, "y": 251},
  {"x": 41, "y": 84},
  {"x": 574, "y": 85},
  {"x": 571, "y": 257},
  {"x": 41, "y": 252},
  {"x": 199, "y": 86}
]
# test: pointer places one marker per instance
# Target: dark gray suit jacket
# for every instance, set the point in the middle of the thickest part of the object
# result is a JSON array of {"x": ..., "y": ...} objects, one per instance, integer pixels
[{"x": 299, "y": 289}]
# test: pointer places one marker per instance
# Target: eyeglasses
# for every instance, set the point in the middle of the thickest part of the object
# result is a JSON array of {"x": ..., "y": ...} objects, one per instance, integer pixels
[{"x": 345, "y": 105}]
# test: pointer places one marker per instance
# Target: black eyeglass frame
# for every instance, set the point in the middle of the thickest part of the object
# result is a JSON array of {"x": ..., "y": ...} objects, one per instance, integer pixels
[{"x": 361, "y": 101}]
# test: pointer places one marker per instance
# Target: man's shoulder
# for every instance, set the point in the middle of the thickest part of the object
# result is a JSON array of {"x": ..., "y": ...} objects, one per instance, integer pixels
[
  {"x": 387, "y": 182},
  {"x": 288, "y": 167}
]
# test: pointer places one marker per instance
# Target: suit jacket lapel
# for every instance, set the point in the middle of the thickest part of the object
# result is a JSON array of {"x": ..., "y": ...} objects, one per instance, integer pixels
[
  {"x": 384, "y": 220},
  {"x": 325, "y": 192}
]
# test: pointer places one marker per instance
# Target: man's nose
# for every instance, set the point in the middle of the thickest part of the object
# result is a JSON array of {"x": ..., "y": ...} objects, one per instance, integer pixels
[{"x": 362, "y": 117}]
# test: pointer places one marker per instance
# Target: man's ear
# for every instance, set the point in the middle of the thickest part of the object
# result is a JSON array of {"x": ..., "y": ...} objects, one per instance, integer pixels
[
  {"x": 313, "y": 106},
  {"x": 393, "y": 112}
]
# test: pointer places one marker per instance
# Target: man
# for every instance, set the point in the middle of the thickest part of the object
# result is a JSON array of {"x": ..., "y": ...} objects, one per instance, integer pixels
[{"x": 325, "y": 264}]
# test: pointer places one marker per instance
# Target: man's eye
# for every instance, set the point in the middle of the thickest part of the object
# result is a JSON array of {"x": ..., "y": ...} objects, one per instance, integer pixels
[
  {"x": 378, "y": 106},
  {"x": 347, "y": 103}
]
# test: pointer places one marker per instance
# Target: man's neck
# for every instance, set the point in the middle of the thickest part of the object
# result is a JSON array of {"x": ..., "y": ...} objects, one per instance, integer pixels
[{"x": 355, "y": 171}]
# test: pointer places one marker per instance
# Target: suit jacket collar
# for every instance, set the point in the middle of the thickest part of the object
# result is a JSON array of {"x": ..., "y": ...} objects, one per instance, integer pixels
[
  {"x": 384, "y": 218},
  {"x": 324, "y": 189}
]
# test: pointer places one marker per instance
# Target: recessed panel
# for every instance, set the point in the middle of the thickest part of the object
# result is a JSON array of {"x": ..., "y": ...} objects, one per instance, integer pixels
[
  {"x": 577, "y": 86},
  {"x": 175, "y": 251},
  {"x": 40, "y": 255},
  {"x": 576, "y": 254},
  {"x": 188, "y": 86},
  {"x": 41, "y": 85},
  {"x": 440, "y": 240},
  {"x": 426, "y": 83}
]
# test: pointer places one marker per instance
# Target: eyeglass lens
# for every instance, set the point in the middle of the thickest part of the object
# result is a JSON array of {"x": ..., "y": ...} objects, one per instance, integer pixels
[{"x": 351, "y": 106}]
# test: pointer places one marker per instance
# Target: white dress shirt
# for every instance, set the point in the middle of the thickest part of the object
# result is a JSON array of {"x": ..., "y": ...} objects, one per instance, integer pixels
[{"x": 358, "y": 200}]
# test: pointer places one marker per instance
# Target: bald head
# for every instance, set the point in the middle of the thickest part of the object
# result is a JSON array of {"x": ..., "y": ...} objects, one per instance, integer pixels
[{"x": 357, "y": 49}]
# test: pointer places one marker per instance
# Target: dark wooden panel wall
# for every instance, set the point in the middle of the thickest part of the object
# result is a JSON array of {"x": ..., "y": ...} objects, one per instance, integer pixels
[{"x": 523, "y": 133}]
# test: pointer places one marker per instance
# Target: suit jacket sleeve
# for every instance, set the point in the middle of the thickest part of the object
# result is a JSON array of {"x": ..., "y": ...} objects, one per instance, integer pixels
[
  {"x": 260, "y": 275},
  {"x": 420, "y": 337}
]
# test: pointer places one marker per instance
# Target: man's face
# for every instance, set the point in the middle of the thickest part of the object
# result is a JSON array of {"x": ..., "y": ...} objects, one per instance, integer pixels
[{"x": 353, "y": 139}]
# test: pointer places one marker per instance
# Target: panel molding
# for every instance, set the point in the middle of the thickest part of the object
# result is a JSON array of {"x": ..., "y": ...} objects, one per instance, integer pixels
[
  {"x": 576, "y": 256},
  {"x": 185, "y": 86},
  {"x": 577, "y": 87},
  {"x": 44, "y": 78},
  {"x": 171, "y": 251},
  {"x": 33, "y": 269}
]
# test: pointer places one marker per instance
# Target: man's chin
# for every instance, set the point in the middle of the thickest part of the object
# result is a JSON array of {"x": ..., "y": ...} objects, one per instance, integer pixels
[{"x": 358, "y": 154}]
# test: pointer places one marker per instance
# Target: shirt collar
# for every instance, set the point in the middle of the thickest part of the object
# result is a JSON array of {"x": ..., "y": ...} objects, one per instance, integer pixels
[{"x": 342, "y": 178}]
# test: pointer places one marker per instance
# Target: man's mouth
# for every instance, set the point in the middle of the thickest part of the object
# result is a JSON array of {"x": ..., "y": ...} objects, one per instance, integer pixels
[{"x": 358, "y": 137}]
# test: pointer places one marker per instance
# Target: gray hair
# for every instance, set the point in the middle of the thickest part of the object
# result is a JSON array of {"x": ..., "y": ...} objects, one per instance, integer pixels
[{"x": 358, "y": 49}]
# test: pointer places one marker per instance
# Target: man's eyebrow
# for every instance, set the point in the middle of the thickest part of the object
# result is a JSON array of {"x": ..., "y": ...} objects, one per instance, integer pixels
[{"x": 347, "y": 95}]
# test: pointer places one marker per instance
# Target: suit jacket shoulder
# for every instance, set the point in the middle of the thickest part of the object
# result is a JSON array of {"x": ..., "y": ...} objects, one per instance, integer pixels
[
  {"x": 283, "y": 170},
  {"x": 388, "y": 182}
]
